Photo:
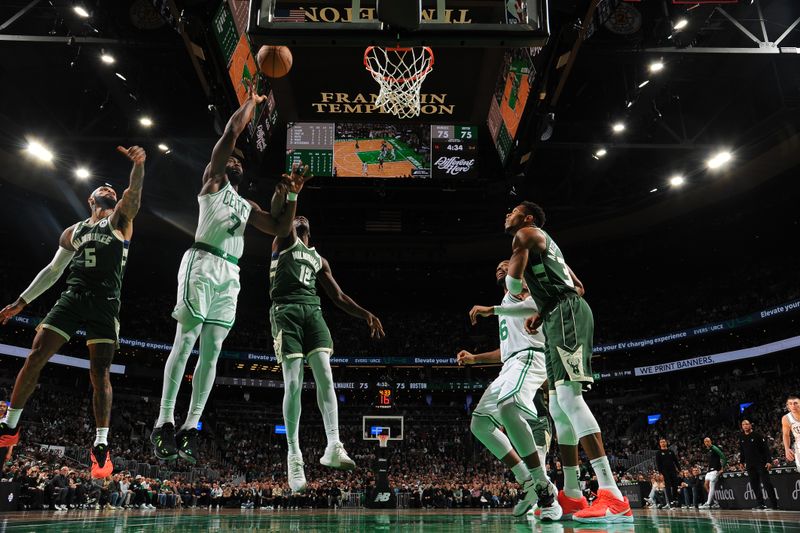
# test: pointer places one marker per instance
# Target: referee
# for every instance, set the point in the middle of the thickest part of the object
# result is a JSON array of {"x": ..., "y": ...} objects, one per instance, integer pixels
[
  {"x": 667, "y": 465},
  {"x": 755, "y": 454}
]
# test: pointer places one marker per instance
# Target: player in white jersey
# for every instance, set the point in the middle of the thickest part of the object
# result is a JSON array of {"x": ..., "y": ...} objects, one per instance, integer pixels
[
  {"x": 208, "y": 279},
  {"x": 791, "y": 427},
  {"x": 508, "y": 401}
]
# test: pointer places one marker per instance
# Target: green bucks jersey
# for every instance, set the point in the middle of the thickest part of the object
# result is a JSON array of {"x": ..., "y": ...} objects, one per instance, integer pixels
[
  {"x": 223, "y": 217},
  {"x": 99, "y": 261},
  {"x": 547, "y": 275},
  {"x": 293, "y": 275}
]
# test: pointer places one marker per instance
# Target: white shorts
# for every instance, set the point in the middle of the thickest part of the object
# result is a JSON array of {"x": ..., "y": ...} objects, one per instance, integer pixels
[
  {"x": 797, "y": 457},
  {"x": 712, "y": 475},
  {"x": 208, "y": 288},
  {"x": 519, "y": 380}
]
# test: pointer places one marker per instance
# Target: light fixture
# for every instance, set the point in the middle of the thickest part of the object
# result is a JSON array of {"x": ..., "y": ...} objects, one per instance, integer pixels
[
  {"x": 108, "y": 59},
  {"x": 654, "y": 190},
  {"x": 39, "y": 151},
  {"x": 719, "y": 159},
  {"x": 619, "y": 127},
  {"x": 82, "y": 173},
  {"x": 629, "y": 104},
  {"x": 599, "y": 153},
  {"x": 80, "y": 11},
  {"x": 120, "y": 76},
  {"x": 680, "y": 24},
  {"x": 656, "y": 66},
  {"x": 645, "y": 82},
  {"x": 163, "y": 147},
  {"x": 676, "y": 181},
  {"x": 146, "y": 121}
]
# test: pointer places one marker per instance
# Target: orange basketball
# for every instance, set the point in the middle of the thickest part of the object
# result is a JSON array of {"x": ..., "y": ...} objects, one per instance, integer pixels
[{"x": 274, "y": 61}]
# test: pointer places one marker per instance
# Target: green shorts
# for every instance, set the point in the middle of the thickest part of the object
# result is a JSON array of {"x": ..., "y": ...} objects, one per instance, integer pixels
[
  {"x": 540, "y": 426},
  {"x": 74, "y": 309},
  {"x": 299, "y": 330},
  {"x": 568, "y": 331}
]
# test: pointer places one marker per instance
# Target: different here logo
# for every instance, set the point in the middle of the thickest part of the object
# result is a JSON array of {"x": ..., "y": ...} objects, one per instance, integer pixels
[{"x": 382, "y": 497}]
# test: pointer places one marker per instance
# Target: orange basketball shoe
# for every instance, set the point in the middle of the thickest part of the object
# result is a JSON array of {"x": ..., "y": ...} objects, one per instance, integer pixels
[
  {"x": 607, "y": 508},
  {"x": 569, "y": 506},
  {"x": 102, "y": 467}
]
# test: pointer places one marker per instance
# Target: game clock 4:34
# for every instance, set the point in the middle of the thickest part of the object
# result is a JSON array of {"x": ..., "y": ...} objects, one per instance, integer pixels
[{"x": 454, "y": 151}]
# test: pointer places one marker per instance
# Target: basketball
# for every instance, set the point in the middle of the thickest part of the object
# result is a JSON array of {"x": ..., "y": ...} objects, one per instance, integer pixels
[{"x": 274, "y": 61}]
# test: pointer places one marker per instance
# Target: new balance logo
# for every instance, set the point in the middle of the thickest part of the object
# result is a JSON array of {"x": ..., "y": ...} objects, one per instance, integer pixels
[{"x": 382, "y": 497}]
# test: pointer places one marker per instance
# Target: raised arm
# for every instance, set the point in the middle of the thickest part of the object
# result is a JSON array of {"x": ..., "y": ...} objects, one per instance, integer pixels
[
  {"x": 128, "y": 207},
  {"x": 466, "y": 358},
  {"x": 526, "y": 240},
  {"x": 44, "y": 279},
  {"x": 345, "y": 303},
  {"x": 214, "y": 176}
]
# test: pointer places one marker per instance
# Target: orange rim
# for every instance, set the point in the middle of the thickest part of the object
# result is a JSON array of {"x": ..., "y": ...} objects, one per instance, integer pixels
[{"x": 399, "y": 49}]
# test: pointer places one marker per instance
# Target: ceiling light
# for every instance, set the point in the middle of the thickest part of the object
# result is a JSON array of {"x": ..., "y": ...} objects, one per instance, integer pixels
[
  {"x": 656, "y": 66},
  {"x": 146, "y": 121},
  {"x": 676, "y": 181},
  {"x": 82, "y": 173},
  {"x": 682, "y": 23},
  {"x": 645, "y": 82},
  {"x": 120, "y": 76},
  {"x": 80, "y": 11},
  {"x": 601, "y": 152},
  {"x": 107, "y": 59},
  {"x": 619, "y": 127},
  {"x": 163, "y": 147},
  {"x": 719, "y": 159},
  {"x": 629, "y": 104},
  {"x": 39, "y": 151},
  {"x": 654, "y": 190}
]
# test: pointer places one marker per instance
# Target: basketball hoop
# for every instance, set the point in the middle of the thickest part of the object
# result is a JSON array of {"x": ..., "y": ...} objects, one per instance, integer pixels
[
  {"x": 399, "y": 72},
  {"x": 383, "y": 440}
]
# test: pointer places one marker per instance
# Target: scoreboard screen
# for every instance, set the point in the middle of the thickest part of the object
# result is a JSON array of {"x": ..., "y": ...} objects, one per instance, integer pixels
[
  {"x": 374, "y": 150},
  {"x": 385, "y": 398}
]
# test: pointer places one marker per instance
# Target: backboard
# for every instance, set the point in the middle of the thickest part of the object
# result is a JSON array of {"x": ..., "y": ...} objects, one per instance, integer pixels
[{"x": 374, "y": 425}]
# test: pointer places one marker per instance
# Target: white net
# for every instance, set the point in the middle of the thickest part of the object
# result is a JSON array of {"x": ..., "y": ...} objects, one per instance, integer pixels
[
  {"x": 383, "y": 440},
  {"x": 400, "y": 73}
]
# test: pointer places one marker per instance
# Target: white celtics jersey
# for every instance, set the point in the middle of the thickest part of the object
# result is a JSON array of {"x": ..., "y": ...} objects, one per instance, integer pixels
[
  {"x": 223, "y": 217},
  {"x": 513, "y": 337},
  {"x": 794, "y": 426}
]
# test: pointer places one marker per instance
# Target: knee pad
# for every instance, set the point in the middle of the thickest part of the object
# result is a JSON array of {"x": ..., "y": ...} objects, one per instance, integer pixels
[
  {"x": 570, "y": 399},
  {"x": 564, "y": 432}
]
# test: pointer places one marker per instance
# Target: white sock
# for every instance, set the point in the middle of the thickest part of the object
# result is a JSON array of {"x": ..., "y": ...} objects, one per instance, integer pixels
[
  {"x": 320, "y": 363},
  {"x": 572, "y": 484},
  {"x": 211, "y": 338},
  {"x": 101, "y": 436},
  {"x": 185, "y": 337},
  {"x": 605, "y": 478},
  {"x": 292, "y": 390},
  {"x": 521, "y": 472},
  {"x": 12, "y": 417}
]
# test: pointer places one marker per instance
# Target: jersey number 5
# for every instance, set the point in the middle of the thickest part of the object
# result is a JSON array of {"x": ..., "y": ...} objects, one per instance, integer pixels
[
  {"x": 89, "y": 259},
  {"x": 236, "y": 223}
]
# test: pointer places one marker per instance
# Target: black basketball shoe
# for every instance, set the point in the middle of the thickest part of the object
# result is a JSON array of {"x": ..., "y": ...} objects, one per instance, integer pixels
[
  {"x": 187, "y": 444},
  {"x": 163, "y": 441}
]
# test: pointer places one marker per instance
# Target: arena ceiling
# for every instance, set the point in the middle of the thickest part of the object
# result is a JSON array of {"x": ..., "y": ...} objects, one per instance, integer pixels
[{"x": 726, "y": 84}]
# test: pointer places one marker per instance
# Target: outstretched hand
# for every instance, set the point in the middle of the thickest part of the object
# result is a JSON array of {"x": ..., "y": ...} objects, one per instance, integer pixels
[
  {"x": 295, "y": 181},
  {"x": 135, "y": 153},
  {"x": 479, "y": 310},
  {"x": 11, "y": 310},
  {"x": 375, "y": 327},
  {"x": 252, "y": 90}
]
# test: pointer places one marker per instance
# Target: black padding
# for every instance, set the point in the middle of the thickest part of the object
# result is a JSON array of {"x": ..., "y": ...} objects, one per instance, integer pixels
[{"x": 400, "y": 15}]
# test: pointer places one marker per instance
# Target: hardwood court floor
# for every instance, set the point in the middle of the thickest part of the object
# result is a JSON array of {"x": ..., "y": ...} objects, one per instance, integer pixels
[{"x": 352, "y": 521}]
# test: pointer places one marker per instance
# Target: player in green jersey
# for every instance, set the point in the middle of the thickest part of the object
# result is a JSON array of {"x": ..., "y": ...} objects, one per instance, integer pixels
[
  {"x": 96, "y": 250},
  {"x": 568, "y": 327},
  {"x": 301, "y": 335},
  {"x": 208, "y": 279}
]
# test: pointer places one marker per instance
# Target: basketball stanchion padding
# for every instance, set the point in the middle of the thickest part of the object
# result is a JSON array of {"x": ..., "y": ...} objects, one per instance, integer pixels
[{"x": 399, "y": 72}]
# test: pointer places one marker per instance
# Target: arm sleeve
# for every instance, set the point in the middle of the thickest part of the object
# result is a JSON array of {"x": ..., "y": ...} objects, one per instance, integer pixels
[
  {"x": 721, "y": 456},
  {"x": 525, "y": 308},
  {"x": 513, "y": 285},
  {"x": 48, "y": 276}
]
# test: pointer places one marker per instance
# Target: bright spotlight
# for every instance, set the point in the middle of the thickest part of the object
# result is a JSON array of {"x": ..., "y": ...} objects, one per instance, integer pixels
[
  {"x": 82, "y": 173},
  {"x": 619, "y": 127},
  {"x": 676, "y": 181},
  {"x": 39, "y": 151},
  {"x": 107, "y": 59},
  {"x": 719, "y": 159},
  {"x": 654, "y": 190},
  {"x": 645, "y": 82},
  {"x": 601, "y": 152},
  {"x": 81, "y": 11},
  {"x": 656, "y": 66},
  {"x": 682, "y": 23},
  {"x": 146, "y": 121},
  {"x": 163, "y": 147},
  {"x": 120, "y": 76}
]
